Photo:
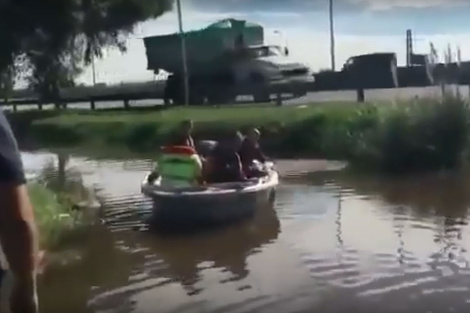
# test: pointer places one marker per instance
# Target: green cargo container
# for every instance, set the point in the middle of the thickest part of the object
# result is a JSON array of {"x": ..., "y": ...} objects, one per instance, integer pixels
[{"x": 202, "y": 46}]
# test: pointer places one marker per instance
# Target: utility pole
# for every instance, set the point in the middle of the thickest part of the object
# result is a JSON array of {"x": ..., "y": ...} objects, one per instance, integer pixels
[
  {"x": 93, "y": 70},
  {"x": 183, "y": 53},
  {"x": 332, "y": 38},
  {"x": 409, "y": 47}
]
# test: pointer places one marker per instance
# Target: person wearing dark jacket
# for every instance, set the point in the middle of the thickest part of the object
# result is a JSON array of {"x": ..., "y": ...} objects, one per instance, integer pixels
[
  {"x": 224, "y": 164},
  {"x": 250, "y": 151}
]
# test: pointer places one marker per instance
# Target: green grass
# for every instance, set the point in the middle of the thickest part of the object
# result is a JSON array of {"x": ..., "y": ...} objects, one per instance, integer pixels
[
  {"x": 55, "y": 220},
  {"x": 170, "y": 117},
  {"x": 145, "y": 131},
  {"x": 415, "y": 135},
  {"x": 53, "y": 196}
]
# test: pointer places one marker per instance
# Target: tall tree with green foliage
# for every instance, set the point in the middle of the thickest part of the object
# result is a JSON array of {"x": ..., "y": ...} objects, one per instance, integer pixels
[{"x": 50, "y": 41}]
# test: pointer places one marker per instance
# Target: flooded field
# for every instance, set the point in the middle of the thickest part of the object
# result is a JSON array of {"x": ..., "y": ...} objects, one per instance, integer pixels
[{"x": 333, "y": 242}]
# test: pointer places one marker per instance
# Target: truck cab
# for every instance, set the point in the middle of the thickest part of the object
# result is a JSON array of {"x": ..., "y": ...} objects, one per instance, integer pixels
[
  {"x": 273, "y": 63},
  {"x": 258, "y": 71},
  {"x": 269, "y": 68},
  {"x": 369, "y": 71}
]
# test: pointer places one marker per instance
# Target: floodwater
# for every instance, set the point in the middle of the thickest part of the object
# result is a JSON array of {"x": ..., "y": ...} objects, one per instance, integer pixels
[{"x": 333, "y": 242}]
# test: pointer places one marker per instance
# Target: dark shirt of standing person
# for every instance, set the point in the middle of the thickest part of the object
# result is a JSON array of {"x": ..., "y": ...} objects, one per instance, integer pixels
[
  {"x": 183, "y": 137},
  {"x": 18, "y": 232},
  {"x": 250, "y": 149}
]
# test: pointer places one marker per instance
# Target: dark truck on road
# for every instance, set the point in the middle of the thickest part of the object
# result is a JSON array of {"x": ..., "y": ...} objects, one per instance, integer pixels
[
  {"x": 374, "y": 71},
  {"x": 226, "y": 59}
]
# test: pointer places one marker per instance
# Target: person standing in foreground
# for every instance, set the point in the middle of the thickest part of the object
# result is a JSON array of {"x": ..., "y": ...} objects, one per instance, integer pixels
[{"x": 18, "y": 231}]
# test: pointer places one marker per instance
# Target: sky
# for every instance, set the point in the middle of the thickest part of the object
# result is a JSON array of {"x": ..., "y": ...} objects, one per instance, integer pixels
[{"x": 361, "y": 26}]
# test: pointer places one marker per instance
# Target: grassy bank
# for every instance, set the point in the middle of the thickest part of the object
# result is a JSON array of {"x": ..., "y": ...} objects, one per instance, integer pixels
[
  {"x": 56, "y": 221},
  {"x": 425, "y": 134},
  {"x": 54, "y": 193}
]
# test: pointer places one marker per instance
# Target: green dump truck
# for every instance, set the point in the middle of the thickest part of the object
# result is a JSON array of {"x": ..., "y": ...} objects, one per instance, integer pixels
[{"x": 226, "y": 59}]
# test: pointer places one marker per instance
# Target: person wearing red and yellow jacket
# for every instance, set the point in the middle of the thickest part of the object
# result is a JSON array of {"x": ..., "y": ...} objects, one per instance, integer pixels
[{"x": 179, "y": 166}]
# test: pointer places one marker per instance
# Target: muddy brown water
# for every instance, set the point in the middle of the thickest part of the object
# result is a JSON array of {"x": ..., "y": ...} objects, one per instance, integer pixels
[{"x": 333, "y": 242}]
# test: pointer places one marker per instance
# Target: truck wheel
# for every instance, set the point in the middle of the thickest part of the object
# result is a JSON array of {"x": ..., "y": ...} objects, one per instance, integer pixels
[
  {"x": 261, "y": 97},
  {"x": 221, "y": 94},
  {"x": 196, "y": 99},
  {"x": 299, "y": 93},
  {"x": 196, "y": 92},
  {"x": 174, "y": 90},
  {"x": 178, "y": 100},
  {"x": 260, "y": 93},
  {"x": 220, "y": 98},
  {"x": 166, "y": 95}
]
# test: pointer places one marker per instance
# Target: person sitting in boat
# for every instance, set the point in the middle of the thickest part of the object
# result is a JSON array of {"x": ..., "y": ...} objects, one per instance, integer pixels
[
  {"x": 179, "y": 166},
  {"x": 250, "y": 152},
  {"x": 224, "y": 164},
  {"x": 182, "y": 136}
]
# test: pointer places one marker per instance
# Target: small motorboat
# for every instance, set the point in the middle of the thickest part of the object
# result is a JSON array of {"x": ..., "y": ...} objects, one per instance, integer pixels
[{"x": 212, "y": 203}]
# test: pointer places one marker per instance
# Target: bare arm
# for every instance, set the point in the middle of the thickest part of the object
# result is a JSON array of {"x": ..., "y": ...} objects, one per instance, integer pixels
[
  {"x": 260, "y": 155},
  {"x": 238, "y": 167},
  {"x": 18, "y": 234}
]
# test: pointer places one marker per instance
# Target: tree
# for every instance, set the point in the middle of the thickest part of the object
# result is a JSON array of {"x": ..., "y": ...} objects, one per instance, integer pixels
[{"x": 50, "y": 41}]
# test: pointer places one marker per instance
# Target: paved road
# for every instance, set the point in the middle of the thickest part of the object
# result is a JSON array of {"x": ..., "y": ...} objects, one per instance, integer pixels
[
  {"x": 376, "y": 94},
  {"x": 311, "y": 97}
]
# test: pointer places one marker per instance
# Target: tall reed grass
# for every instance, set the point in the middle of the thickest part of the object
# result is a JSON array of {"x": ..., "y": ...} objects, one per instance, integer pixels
[{"x": 427, "y": 134}]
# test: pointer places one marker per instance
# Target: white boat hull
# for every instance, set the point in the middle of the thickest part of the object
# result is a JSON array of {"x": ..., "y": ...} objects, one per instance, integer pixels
[{"x": 211, "y": 204}]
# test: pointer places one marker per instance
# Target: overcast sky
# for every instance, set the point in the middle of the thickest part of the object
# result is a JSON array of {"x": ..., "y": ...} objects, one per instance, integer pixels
[{"x": 362, "y": 26}]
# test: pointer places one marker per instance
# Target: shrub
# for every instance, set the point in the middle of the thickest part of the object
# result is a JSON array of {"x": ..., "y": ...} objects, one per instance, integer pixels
[{"x": 429, "y": 134}]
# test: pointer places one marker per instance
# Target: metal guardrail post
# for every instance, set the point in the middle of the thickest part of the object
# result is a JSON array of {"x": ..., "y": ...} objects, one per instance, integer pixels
[
  {"x": 360, "y": 95},
  {"x": 278, "y": 99}
]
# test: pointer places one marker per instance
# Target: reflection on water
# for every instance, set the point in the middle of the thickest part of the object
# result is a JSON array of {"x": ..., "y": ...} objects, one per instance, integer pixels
[{"x": 332, "y": 243}]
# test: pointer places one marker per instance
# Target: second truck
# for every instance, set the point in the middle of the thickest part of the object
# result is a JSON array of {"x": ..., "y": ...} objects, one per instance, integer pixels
[
  {"x": 226, "y": 59},
  {"x": 375, "y": 71}
]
